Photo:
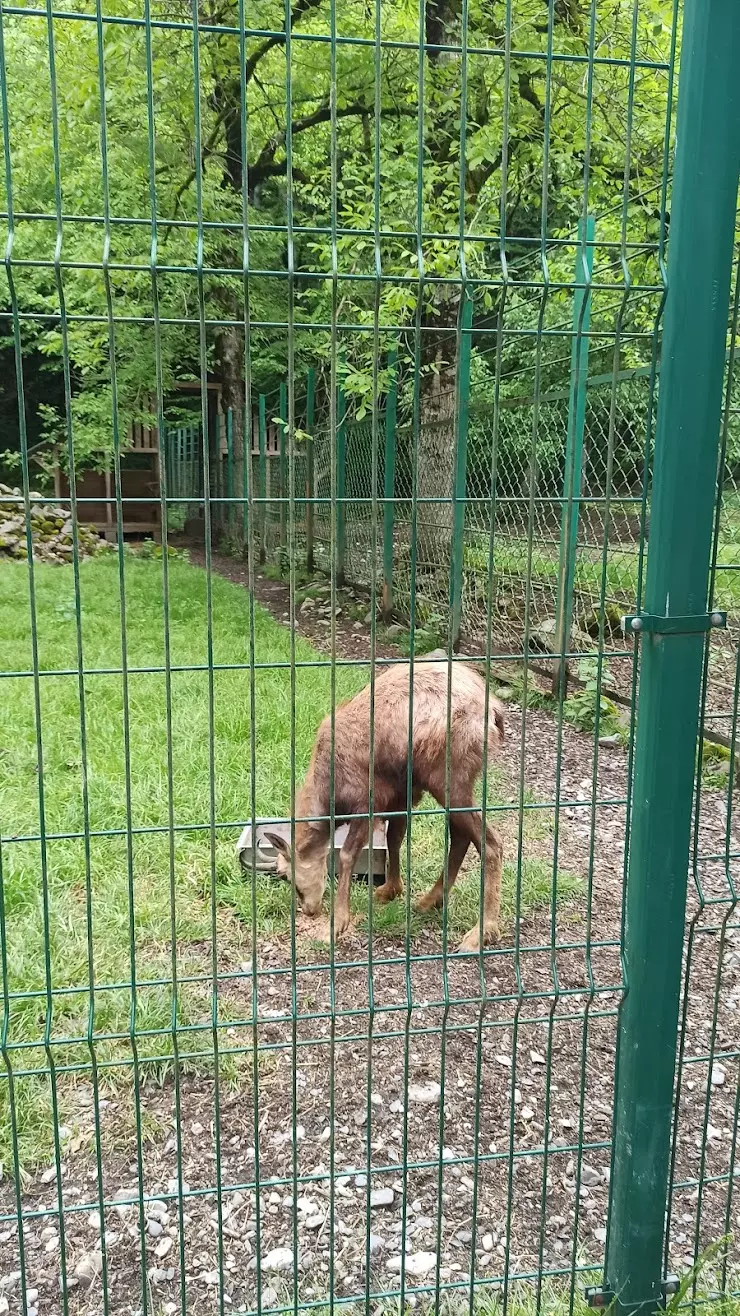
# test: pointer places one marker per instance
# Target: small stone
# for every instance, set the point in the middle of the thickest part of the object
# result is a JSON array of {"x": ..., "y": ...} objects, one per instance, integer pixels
[
  {"x": 600, "y": 1235},
  {"x": 9, "y": 1281},
  {"x": 31, "y": 1296},
  {"x": 357, "y": 626},
  {"x": 718, "y": 1076},
  {"x": 607, "y": 741},
  {"x": 314, "y": 1221},
  {"x": 537, "y": 1058},
  {"x": 487, "y": 1242},
  {"x": 157, "y": 1276},
  {"x": 377, "y": 1243},
  {"x": 464, "y": 1236},
  {"x": 211, "y": 1278},
  {"x": 153, "y": 1227},
  {"x": 269, "y": 1297},
  {"x": 382, "y": 1197},
  {"x": 277, "y": 1260},
  {"x": 122, "y": 1205},
  {"x": 527, "y": 1113},
  {"x": 418, "y": 1264},
  {"x": 88, "y": 1268},
  {"x": 360, "y": 1181},
  {"x": 394, "y": 630},
  {"x": 49, "y": 1175},
  {"x": 4, "y": 1305},
  {"x": 360, "y": 1117},
  {"x": 163, "y": 1247},
  {"x": 48, "y": 1234},
  {"x": 425, "y": 1094},
  {"x": 589, "y": 1176}
]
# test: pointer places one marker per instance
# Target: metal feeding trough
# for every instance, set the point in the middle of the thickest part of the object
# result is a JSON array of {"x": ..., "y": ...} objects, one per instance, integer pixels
[{"x": 263, "y": 857}]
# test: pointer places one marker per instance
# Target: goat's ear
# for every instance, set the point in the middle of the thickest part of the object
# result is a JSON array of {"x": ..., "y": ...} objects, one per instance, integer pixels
[{"x": 280, "y": 844}]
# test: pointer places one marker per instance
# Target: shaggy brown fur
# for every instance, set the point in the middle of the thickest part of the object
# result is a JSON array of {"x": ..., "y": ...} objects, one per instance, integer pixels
[{"x": 351, "y": 776}]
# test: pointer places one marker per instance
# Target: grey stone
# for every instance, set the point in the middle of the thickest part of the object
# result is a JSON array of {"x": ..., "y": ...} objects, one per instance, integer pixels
[
  {"x": 158, "y": 1276},
  {"x": 277, "y": 1260},
  {"x": 589, "y": 1176},
  {"x": 418, "y": 1264},
  {"x": 425, "y": 1094},
  {"x": 382, "y": 1197},
  {"x": 88, "y": 1268}
]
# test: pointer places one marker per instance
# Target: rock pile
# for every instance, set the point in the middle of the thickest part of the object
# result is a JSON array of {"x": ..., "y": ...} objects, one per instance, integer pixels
[{"x": 51, "y": 529}]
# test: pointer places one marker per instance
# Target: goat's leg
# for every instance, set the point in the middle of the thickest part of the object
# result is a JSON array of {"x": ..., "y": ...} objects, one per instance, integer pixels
[
  {"x": 459, "y": 842},
  {"x": 356, "y": 837},
  {"x": 393, "y": 886},
  {"x": 471, "y": 823}
]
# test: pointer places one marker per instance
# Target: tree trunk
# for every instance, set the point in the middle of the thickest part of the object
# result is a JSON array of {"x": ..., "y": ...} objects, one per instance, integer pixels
[
  {"x": 436, "y": 464},
  {"x": 230, "y": 362},
  {"x": 436, "y": 467}
]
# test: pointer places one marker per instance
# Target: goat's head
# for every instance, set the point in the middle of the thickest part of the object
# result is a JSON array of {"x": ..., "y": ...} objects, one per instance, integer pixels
[{"x": 308, "y": 862}]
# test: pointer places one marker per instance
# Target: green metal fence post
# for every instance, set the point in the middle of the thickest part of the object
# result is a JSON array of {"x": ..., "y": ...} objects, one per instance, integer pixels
[
  {"x": 230, "y": 468},
  {"x": 310, "y": 490},
  {"x": 263, "y": 476},
  {"x": 341, "y": 481},
  {"x": 389, "y": 483},
  {"x": 573, "y": 477},
  {"x": 179, "y": 444},
  {"x": 246, "y": 457},
  {"x": 282, "y": 439},
  {"x": 462, "y": 391},
  {"x": 687, "y": 435}
]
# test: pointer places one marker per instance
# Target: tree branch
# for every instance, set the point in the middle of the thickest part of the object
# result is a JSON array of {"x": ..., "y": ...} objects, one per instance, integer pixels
[{"x": 301, "y": 8}]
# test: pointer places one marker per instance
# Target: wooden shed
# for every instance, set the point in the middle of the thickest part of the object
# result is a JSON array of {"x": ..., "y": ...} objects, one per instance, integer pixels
[{"x": 140, "y": 477}]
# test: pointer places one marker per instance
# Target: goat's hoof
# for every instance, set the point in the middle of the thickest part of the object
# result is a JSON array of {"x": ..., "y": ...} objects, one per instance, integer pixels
[
  {"x": 430, "y": 900},
  {"x": 343, "y": 926},
  {"x": 383, "y": 895},
  {"x": 471, "y": 942}
]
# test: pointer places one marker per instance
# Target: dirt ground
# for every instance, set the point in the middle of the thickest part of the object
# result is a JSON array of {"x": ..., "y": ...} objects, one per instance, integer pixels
[{"x": 416, "y": 1108}]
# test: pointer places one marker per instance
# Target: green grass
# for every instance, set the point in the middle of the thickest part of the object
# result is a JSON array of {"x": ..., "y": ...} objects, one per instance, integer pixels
[
  {"x": 132, "y": 923},
  {"x": 621, "y": 572}
]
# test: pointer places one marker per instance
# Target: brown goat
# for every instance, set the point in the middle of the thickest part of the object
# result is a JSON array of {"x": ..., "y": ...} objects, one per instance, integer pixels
[{"x": 428, "y": 771}]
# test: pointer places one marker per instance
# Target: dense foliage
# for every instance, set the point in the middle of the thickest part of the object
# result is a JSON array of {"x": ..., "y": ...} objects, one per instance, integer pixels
[{"x": 470, "y": 134}]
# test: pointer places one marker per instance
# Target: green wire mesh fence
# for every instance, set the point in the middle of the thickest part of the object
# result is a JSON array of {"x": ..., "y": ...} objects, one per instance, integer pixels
[
  {"x": 527, "y": 557},
  {"x": 318, "y": 362}
]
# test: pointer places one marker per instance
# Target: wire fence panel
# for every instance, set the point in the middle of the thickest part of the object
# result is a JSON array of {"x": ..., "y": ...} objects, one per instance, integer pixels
[{"x": 347, "y": 954}]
